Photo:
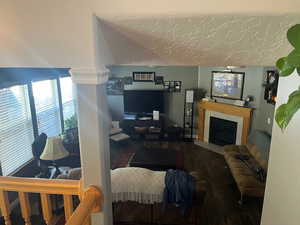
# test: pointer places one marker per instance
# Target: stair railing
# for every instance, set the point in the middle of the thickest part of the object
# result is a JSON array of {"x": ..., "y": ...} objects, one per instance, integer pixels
[{"x": 90, "y": 199}]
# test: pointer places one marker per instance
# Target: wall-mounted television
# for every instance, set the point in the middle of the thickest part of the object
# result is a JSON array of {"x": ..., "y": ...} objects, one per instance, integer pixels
[
  {"x": 225, "y": 84},
  {"x": 143, "y": 101}
]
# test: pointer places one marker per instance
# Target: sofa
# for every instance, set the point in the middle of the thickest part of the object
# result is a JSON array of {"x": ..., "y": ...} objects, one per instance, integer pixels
[{"x": 245, "y": 160}]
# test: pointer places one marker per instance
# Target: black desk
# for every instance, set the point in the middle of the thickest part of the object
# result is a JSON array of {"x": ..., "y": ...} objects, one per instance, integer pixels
[
  {"x": 48, "y": 171},
  {"x": 73, "y": 161}
]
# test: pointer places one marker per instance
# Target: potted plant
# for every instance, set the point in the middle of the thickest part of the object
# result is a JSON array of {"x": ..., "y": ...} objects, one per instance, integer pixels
[{"x": 70, "y": 134}]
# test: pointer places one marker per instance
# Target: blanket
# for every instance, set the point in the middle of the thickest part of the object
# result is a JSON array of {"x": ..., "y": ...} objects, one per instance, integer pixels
[{"x": 137, "y": 184}]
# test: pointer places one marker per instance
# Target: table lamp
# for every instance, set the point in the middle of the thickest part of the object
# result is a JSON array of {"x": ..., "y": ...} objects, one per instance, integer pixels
[{"x": 54, "y": 150}]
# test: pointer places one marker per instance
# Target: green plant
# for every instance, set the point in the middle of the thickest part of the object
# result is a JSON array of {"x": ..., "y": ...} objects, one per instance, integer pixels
[
  {"x": 286, "y": 66},
  {"x": 71, "y": 122}
]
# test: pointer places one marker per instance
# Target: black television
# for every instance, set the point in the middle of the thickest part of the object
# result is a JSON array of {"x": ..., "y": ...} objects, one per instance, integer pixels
[
  {"x": 226, "y": 84},
  {"x": 143, "y": 101}
]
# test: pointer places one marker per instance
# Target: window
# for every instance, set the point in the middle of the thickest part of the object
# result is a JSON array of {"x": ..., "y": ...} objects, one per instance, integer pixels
[
  {"x": 67, "y": 93},
  {"x": 17, "y": 127},
  {"x": 16, "y": 131},
  {"x": 47, "y": 107}
]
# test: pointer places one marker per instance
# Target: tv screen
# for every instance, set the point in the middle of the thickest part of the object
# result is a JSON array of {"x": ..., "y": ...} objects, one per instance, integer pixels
[
  {"x": 227, "y": 85},
  {"x": 142, "y": 101}
]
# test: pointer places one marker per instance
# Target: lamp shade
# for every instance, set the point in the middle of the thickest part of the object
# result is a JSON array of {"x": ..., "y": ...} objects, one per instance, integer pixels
[{"x": 54, "y": 149}]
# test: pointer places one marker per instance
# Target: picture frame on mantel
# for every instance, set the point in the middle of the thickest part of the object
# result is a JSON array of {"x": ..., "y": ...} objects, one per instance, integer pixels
[{"x": 143, "y": 76}]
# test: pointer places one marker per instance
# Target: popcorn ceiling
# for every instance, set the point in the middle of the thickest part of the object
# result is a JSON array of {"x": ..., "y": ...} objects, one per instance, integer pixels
[{"x": 204, "y": 40}]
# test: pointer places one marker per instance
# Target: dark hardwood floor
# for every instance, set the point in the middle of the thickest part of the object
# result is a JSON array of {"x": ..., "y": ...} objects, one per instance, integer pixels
[{"x": 220, "y": 205}]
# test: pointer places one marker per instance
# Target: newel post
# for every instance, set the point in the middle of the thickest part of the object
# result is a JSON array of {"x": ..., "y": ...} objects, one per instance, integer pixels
[{"x": 93, "y": 124}]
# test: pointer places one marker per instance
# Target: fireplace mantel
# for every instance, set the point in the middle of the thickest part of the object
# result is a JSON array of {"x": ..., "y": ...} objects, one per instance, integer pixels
[{"x": 243, "y": 112}]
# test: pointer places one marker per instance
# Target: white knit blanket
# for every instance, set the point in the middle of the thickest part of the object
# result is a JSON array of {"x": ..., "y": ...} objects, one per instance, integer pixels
[{"x": 137, "y": 184}]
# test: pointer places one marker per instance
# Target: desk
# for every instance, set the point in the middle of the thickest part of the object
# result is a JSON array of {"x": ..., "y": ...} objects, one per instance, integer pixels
[{"x": 72, "y": 161}]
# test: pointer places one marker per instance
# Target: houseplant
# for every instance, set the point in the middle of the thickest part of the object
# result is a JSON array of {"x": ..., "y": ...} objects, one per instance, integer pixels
[
  {"x": 286, "y": 66},
  {"x": 70, "y": 134},
  {"x": 71, "y": 123}
]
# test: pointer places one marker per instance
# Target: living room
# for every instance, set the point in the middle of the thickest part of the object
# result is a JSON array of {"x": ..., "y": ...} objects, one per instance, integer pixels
[
  {"x": 173, "y": 143},
  {"x": 86, "y": 36},
  {"x": 138, "y": 139}
]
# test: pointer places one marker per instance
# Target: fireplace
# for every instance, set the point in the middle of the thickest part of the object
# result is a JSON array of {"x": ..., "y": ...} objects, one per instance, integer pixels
[
  {"x": 239, "y": 115},
  {"x": 222, "y": 132}
]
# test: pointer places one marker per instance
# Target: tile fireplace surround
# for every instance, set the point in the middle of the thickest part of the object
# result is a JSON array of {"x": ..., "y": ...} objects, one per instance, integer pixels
[{"x": 240, "y": 115}]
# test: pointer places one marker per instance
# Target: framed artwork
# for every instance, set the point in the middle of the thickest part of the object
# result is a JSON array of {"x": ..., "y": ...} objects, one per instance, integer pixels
[
  {"x": 127, "y": 80},
  {"x": 115, "y": 86},
  {"x": 177, "y": 86},
  {"x": 167, "y": 85},
  {"x": 159, "y": 80},
  {"x": 172, "y": 86},
  {"x": 143, "y": 76},
  {"x": 271, "y": 85}
]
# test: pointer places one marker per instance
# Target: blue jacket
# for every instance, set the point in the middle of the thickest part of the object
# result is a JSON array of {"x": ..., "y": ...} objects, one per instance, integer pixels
[{"x": 179, "y": 189}]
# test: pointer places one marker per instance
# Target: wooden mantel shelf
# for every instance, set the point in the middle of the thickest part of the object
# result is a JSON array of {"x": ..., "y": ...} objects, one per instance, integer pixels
[{"x": 243, "y": 112}]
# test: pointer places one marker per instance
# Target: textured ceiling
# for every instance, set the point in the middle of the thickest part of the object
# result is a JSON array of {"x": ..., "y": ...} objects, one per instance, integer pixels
[{"x": 199, "y": 40}]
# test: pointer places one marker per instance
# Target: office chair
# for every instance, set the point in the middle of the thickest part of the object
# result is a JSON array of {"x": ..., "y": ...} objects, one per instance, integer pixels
[{"x": 37, "y": 149}]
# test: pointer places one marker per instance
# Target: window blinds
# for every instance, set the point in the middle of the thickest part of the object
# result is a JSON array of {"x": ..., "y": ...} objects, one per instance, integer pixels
[
  {"x": 16, "y": 133},
  {"x": 47, "y": 107},
  {"x": 67, "y": 94}
]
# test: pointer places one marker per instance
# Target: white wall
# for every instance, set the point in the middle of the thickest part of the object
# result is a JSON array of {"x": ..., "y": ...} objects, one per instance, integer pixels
[
  {"x": 281, "y": 205},
  {"x": 60, "y": 33},
  {"x": 154, "y": 7},
  {"x": 46, "y": 33}
]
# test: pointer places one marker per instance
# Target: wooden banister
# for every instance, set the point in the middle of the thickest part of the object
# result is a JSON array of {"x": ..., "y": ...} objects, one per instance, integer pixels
[
  {"x": 25, "y": 207},
  {"x": 5, "y": 209},
  {"x": 34, "y": 185},
  {"x": 92, "y": 202},
  {"x": 47, "y": 208},
  {"x": 68, "y": 205},
  {"x": 91, "y": 199}
]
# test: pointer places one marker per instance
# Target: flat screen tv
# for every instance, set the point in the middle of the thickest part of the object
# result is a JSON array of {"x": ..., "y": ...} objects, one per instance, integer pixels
[
  {"x": 227, "y": 84},
  {"x": 143, "y": 101}
]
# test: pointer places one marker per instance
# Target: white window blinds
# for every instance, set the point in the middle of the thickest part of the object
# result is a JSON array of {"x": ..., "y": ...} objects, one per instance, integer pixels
[
  {"x": 67, "y": 95},
  {"x": 16, "y": 133},
  {"x": 47, "y": 107}
]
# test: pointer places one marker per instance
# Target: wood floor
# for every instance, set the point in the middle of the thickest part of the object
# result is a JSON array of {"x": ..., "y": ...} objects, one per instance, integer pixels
[{"x": 220, "y": 206}]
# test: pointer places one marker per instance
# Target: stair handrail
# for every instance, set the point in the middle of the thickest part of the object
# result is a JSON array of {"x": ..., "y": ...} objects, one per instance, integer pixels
[
  {"x": 91, "y": 198},
  {"x": 91, "y": 203}
]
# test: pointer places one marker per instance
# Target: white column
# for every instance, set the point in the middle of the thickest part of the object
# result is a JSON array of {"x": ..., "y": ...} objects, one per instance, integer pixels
[
  {"x": 93, "y": 122},
  {"x": 282, "y": 195}
]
